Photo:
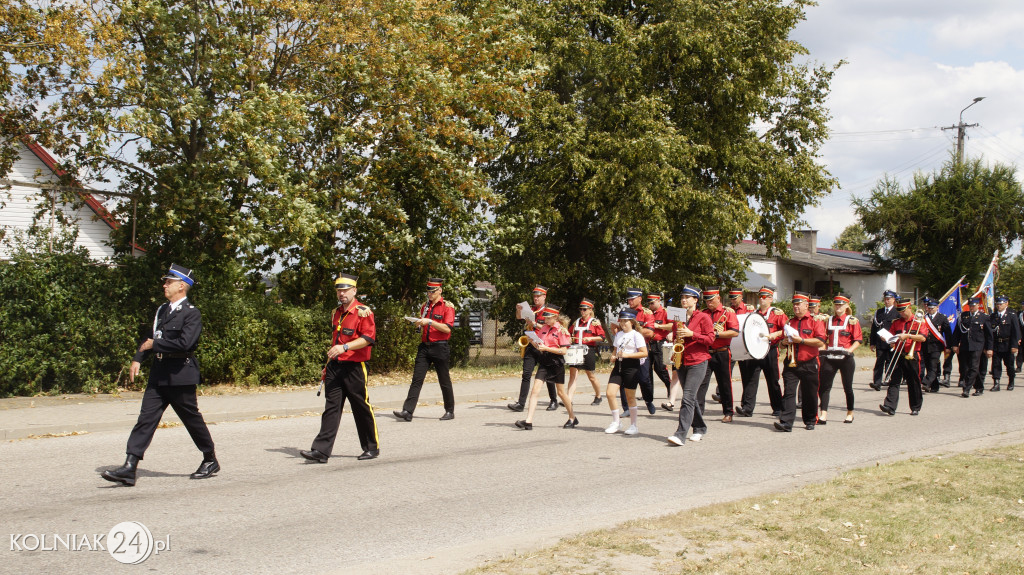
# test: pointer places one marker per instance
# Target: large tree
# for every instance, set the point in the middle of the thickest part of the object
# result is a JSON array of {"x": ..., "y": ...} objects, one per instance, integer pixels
[
  {"x": 852, "y": 238},
  {"x": 945, "y": 224},
  {"x": 257, "y": 134},
  {"x": 662, "y": 133}
]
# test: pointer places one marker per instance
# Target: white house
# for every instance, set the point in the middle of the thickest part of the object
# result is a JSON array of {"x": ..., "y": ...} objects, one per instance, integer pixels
[
  {"x": 825, "y": 271},
  {"x": 25, "y": 189}
]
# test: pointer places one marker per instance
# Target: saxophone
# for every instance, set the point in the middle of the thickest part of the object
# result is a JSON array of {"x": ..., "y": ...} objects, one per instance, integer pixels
[{"x": 677, "y": 349}]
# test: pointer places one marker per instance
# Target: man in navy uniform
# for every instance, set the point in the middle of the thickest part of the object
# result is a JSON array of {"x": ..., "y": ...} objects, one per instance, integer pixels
[
  {"x": 1020, "y": 352},
  {"x": 972, "y": 338},
  {"x": 437, "y": 317},
  {"x": 934, "y": 346},
  {"x": 884, "y": 316},
  {"x": 1005, "y": 342},
  {"x": 353, "y": 334},
  {"x": 173, "y": 378}
]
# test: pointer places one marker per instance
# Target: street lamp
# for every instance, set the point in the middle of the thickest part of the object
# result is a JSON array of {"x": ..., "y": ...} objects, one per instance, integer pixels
[{"x": 961, "y": 128}]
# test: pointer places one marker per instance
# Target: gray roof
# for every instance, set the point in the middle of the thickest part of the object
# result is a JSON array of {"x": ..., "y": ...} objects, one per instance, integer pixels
[{"x": 841, "y": 261}]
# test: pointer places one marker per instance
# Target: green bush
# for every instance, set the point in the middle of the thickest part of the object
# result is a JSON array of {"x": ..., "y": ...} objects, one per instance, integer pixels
[
  {"x": 59, "y": 321},
  {"x": 397, "y": 339}
]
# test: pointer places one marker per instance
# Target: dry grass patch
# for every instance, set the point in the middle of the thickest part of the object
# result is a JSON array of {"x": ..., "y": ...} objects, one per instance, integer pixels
[{"x": 941, "y": 514}]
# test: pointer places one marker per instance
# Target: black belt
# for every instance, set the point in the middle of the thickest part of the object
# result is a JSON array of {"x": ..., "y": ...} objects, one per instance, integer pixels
[
  {"x": 718, "y": 349},
  {"x": 434, "y": 342},
  {"x": 178, "y": 355}
]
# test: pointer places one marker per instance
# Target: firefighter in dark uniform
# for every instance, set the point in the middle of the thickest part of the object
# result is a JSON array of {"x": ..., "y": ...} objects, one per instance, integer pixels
[
  {"x": 354, "y": 332},
  {"x": 934, "y": 346},
  {"x": 173, "y": 377},
  {"x": 800, "y": 374},
  {"x": 884, "y": 316},
  {"x": 1020, "y": 348},
  {"x": 1005, "y": 342},
  {"x": 531, "y": 356},
  {"x": 437, "y": 317},
  {"x": 972, "y": 338},
  {"x": 911, "y": 332}
]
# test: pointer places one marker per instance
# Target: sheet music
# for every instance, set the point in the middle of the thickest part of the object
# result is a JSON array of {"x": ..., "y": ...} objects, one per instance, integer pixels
[
  {"x": 676, "y": 313},
  {"x": 534, "y": 337},
  {"x": 526, "y": 312},
  {"x": 411, "y": 319},
  {"x": 790, "y": 331},
  {"x": 887, "y": 336}
]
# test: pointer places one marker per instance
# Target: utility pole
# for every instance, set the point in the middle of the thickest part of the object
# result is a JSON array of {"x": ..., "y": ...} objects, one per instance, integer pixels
[{"x": 961, "y": 129}]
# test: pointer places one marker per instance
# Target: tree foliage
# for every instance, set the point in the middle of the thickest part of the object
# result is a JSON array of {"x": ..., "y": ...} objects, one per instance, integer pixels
[
  {"x": 946, "y": 224},
  {"x": 852, "y": 238},
  {"x": 660, "y": 134}
]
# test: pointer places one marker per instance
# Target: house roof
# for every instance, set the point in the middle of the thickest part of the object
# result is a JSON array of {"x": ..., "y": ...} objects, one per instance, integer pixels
[
  {"x": 90, "y": 200},
  {"x": 842, "y": 261}
]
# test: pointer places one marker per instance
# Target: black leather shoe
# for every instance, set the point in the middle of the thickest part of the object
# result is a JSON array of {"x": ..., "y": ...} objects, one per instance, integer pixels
[
  {"x": 995, "y": 387},
  {"x": 886, "y": 410},
  {"x": 964, "y": 394},
  {"x": 915, "y": 412},
  {"x": 597, "y": 401},
  {"x": 125, "y": 474},
  {"x": 515, "y": 406},
  {"x": 1009, "y": 387},
  {"x": 447, "y": 416},
  {"x": 809, "y": 427},
  {"x": 552, "y": 406},
  {"x": 207, "y": 468},
  {"x": 716, "y": 397},
  {"x": 743, "y": 413},
  {"x": 782, "y": 427},
  {"x": 371, "y": 454},
  {"x": 650, "y": 408},
  {"x": 313, "y": 455},
  {"x": 571, "y": 424},
  {"x": 876, "y": 386},
  {"x": 945, "y": 382},
  {"x": 403, "y": 415},
  {"x": 523, "y": 424},
  {"x": 978, "y": 392}
]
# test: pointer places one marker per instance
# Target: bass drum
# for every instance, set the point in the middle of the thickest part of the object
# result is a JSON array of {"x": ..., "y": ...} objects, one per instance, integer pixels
[
  {"x": 574, "y": 356},
  {"x": 752, "y": 342}
]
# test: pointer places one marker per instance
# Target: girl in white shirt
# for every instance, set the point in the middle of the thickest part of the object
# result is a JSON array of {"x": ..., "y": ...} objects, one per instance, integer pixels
[{"x": 629, "y": 352}]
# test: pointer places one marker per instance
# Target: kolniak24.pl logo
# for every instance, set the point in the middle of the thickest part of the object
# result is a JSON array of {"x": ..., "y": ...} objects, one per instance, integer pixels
[{"x": 129, "y": 542}]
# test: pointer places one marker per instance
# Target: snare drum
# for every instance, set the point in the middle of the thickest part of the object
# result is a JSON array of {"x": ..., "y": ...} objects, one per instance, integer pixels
[
  {"x": 836, "y": 353},
  {"x": 666, "y": 353},
  {"x": 574, "y": 356}
]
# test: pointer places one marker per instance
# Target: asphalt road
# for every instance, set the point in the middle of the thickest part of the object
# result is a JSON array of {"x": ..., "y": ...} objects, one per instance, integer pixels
[{"x": 443, "y": 496}]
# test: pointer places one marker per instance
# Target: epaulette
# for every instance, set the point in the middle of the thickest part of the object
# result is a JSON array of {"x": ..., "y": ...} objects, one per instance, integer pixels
[
  {"x": 449, "y": 304},
  {"x": 822, "y": 317},
  {"x": 854, "y": 320},
  {"x": 647, "y": 310},
  {"x": 363, "y": 311}
]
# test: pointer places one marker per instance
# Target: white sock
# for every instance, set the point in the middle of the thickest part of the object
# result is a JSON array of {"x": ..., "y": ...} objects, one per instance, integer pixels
[
  {"x": 615, "y": 416},
  {"x": 632, "y": 415}
]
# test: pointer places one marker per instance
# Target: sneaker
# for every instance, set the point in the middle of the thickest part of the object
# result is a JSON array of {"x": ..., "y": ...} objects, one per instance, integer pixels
[
  {"x": 597, "y": 401},
  {"x": 650, "y": 408},
  {"x": 696, "y": 437},
  {"x": 674, "y": 440},
  {"x": 632, "y": 430},
  {"x": 613, "y": 428}
]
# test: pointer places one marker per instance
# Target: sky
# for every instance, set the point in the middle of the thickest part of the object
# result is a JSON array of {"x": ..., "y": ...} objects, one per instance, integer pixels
[{"x": 911, "y": 67}]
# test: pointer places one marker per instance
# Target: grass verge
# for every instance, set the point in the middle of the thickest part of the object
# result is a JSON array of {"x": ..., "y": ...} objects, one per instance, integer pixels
[{"x": 941, "y": 514}]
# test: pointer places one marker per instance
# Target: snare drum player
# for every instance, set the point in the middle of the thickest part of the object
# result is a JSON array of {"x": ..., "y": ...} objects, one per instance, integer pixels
[
  {"x": 587, "y": 330},
  {"x": 726, "y": 327},
  {"x": 844, "y": 337},
  {"x": 912, "y": 333},
  {"x": 530, "y": 354},
  {"x": 660, "y": 328},
  {"x": 769, "y": 364},
  {"x": 554, "y": 343},
  {"x": 800, "y": 373}
]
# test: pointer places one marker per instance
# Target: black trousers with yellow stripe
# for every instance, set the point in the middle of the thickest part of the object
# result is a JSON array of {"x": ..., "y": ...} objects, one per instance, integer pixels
[{"x": 346, "y": 380}]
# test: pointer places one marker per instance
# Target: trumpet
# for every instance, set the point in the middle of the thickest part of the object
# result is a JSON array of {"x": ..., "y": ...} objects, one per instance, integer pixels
[
  {"x": 720, "y": 324},
  {"x": 523, "y": 342}
]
